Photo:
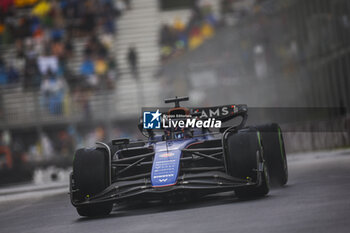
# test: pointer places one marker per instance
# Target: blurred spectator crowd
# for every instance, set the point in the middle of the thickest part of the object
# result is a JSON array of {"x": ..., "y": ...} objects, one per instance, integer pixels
[
  {"x": 180, "y": 37},
  {"x": 44, "y": 34}
]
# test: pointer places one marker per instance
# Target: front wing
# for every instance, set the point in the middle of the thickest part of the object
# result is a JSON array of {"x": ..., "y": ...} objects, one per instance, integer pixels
[{"x": 188, "y": 184}]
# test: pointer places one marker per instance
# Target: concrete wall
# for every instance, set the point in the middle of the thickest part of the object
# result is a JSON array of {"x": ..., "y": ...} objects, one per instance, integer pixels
[{"x": 311, "y": 136}]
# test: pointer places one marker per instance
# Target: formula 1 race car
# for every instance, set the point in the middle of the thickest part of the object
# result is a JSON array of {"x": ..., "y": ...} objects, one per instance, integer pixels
[{"x": 180, "y": 161}]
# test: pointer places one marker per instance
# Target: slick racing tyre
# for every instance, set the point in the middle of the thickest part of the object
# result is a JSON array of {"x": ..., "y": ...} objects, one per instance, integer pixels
[
  {"x": 244, "y": 152},
  {"x": 274, "y": 153},
  {"x": 91, "y": 177}
]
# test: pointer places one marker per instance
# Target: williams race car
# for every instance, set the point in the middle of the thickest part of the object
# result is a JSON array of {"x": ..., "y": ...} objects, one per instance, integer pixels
[{"x": 180, "y": 161}]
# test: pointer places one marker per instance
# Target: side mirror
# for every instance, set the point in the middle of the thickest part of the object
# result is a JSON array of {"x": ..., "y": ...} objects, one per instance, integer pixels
[{"x": 121, "y": 141}]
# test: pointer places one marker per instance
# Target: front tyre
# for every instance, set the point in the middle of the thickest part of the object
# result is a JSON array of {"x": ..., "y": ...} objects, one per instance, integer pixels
[
  {"x": 244, "y": 157},
  {"x": 274, "y": 153},
  {"x": 255, "y": 191},
  {"x": 90, "y": 174},
  {"x": 95, "y": 210}
]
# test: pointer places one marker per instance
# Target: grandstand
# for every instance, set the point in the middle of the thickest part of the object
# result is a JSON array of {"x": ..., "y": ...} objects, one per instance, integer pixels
[
  {"x": 30, "y": 27},
  {"x": 125, "y": 96}
]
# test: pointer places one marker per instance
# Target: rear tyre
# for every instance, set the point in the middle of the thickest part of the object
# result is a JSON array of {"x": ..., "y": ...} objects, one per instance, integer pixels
[
  {"x": 91, "y": 177},
  {"x": 274, "y": 153},
  {"x": 244, "y": 152}
]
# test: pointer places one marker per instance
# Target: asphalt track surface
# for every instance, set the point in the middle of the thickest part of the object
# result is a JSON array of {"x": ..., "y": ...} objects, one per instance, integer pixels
[{"x": 316, "y": 199}]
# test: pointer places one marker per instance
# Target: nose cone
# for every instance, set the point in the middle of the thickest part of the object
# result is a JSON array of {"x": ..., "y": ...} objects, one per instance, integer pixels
[{"x": 165, "y": 168}]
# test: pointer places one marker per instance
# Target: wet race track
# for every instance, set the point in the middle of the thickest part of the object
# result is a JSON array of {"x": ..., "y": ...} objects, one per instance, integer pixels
[{"x": 316, "y": 199}]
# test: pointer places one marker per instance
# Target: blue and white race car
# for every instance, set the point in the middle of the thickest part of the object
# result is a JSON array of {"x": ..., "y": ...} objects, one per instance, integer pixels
[{"x": 179, "y": 161}]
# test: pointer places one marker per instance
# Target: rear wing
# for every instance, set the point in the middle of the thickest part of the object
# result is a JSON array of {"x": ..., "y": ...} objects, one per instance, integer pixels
[{"x": 223, "y": 112}]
